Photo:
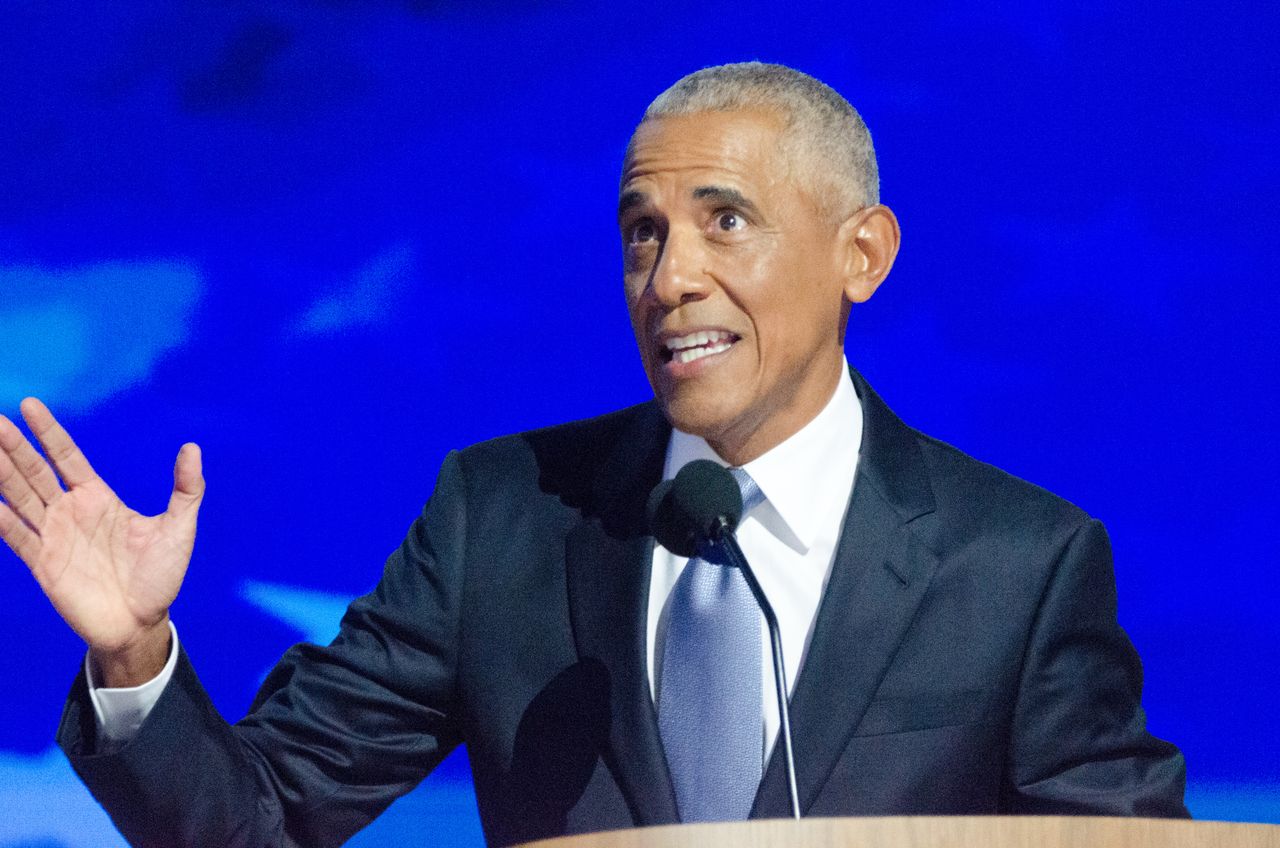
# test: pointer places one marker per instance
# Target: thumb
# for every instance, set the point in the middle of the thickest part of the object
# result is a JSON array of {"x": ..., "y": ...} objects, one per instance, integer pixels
[{"x": 188, "y": 483}]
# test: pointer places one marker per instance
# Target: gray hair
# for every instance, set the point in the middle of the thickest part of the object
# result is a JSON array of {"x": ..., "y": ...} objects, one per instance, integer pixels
[{"x": 834, "y": 146}]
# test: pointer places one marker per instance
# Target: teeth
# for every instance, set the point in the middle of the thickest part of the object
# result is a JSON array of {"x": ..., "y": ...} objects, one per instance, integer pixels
[
  {"x": 700, "y": 339},
  {"x": 690, "y": 354}
]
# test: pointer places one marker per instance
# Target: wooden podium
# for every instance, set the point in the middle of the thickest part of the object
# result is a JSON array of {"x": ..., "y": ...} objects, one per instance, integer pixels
[{"x": 937, "y": 832}]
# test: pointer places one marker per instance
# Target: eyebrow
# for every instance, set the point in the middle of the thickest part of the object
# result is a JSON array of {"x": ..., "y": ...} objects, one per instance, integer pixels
[
  {"x": 630, "y": 200},
  {"x": 716, "y": 194},
  {"x": 723, "y": 195}
]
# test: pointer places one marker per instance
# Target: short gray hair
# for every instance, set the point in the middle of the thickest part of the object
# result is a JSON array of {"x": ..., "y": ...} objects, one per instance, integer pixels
[{"x": 832, "y": 140}]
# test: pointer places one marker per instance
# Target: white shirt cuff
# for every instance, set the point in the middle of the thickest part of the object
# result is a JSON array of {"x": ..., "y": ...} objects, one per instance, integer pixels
[{"x": 120, "y": 712}]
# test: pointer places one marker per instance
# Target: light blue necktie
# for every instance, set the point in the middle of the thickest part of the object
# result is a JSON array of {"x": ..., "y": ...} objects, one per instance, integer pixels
[{"x": 709, "y": 700}]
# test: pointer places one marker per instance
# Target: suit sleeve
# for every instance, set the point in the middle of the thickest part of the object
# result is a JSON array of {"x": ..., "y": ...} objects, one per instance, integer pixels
[
  {"x": 1079, "y": 743},
  {"x": 335, "y": 734}
]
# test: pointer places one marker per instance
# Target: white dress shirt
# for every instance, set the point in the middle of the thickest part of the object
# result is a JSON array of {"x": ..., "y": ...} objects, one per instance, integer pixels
[
  {"x": 790, "y": 541},
  {"x": 120, "y": 712}
]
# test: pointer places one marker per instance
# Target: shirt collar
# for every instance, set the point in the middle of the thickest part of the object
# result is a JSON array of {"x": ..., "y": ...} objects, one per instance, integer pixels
[{"x": 800, "y": 476}]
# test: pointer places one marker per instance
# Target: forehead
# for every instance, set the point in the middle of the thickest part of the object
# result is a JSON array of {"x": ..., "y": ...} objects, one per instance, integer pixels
[{"x": 741, "y": 147}]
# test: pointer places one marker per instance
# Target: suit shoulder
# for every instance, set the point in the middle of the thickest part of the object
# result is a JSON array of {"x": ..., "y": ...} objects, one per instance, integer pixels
[
  {"x": 572, "y": 450},
  {"x": 969, "y": 490}
]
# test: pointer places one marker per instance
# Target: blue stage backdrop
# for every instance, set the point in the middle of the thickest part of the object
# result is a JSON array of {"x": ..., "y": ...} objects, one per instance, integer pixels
[{"x": 331, "y": 241}]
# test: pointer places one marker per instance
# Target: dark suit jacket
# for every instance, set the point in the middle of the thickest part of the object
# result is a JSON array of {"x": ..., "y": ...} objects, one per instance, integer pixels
[{"x": 966, "y": 659}]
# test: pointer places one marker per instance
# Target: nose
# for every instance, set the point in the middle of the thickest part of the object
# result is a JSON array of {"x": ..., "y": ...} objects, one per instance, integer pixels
[{"x": 679, "y": 275}]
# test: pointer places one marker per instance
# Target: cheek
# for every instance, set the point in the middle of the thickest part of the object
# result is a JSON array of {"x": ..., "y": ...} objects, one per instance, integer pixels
[
  {"x": 635, "y": 305},
  {"x": 766, "y": 294},
  {"x": 794, "y": 311},
  {"x": 632, "y": 288},
  {"x": 638, "y": 315}
]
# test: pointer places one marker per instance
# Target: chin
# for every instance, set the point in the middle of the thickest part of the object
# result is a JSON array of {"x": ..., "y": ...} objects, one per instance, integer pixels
[{"x": 696, "y": 416}]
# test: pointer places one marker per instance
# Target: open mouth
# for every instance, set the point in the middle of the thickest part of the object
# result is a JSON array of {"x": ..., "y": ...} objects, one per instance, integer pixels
[{"x": 685, "y": 349}]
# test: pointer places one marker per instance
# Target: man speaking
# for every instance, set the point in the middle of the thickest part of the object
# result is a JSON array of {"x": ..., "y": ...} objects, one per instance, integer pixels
[{"x": 949, "y": 631}]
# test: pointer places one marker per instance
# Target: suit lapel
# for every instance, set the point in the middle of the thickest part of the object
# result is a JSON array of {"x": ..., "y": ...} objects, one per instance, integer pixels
[
  {"x": 883, "y": 565},
  {"x": 608, "y": 556}
]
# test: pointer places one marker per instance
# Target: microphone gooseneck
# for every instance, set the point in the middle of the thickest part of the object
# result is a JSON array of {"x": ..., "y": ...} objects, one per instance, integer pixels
[{"x": 700, "y": 507}]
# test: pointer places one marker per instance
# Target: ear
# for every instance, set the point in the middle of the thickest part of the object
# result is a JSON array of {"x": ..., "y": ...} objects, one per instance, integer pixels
[{"x": 868, "y": 242}]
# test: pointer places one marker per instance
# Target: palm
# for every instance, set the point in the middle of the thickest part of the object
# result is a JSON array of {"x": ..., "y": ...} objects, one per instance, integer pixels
[{"x": 109, "y": 571}]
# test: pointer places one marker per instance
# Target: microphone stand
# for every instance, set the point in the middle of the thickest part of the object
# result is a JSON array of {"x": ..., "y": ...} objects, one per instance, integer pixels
[{"x": 722, "y": 533}]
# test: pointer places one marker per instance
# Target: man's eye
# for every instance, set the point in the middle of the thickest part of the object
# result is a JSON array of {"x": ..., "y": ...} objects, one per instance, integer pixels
[
  {"x": 730, "y": 221},
  {"x": 641, "y": 232}
]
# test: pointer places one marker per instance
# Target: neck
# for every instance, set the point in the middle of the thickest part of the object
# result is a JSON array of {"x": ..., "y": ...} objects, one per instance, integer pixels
[{"x": 758, "y": 438}]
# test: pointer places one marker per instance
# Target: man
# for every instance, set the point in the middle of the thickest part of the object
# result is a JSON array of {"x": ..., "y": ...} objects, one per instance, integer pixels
[{"x": 953, "y": 628}]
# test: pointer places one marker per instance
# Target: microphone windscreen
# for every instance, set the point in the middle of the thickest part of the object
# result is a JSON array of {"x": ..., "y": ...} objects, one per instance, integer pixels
[
  {"x": 673, "y": 530},
  {"x": 704, "y": 493}
]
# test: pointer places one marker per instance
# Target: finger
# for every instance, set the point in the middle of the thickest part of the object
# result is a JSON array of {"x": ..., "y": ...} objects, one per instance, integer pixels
[
  {"x": 72, "y": 466},
  {"x": 21, "y": 498},
  {"x": 37, "y": 473},
  {"x": 188, "y": 483},
  {"x": 10, "y": 435},
  {"x": 18, "y": 536}
]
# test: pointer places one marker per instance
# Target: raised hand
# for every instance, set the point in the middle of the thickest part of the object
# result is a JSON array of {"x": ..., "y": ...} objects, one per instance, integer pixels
[{"x": 110, "y": 572}]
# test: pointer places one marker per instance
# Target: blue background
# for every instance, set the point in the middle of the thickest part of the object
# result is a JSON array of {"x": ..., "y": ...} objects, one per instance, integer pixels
[{"x": 332, "y": 240}]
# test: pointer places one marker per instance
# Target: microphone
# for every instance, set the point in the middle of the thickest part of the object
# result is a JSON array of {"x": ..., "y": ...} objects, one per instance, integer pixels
[
  {"x": 701, "y": 507},
  {"x": 702, "y": 502}
]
